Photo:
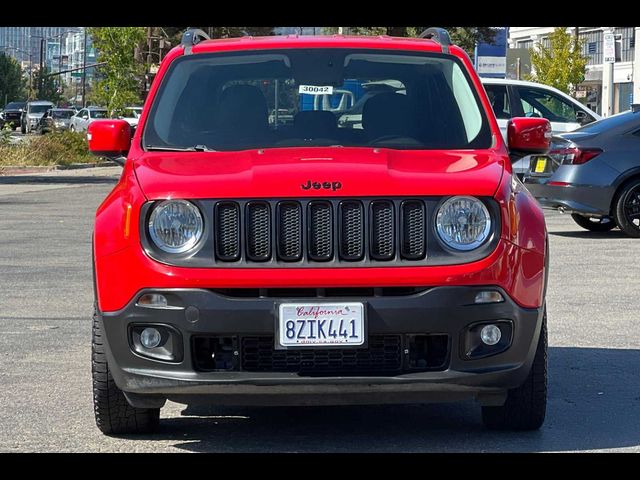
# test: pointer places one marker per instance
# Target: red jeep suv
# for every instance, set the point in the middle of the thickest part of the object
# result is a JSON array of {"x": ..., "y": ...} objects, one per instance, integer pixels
[{"x": 318, "y": 220}]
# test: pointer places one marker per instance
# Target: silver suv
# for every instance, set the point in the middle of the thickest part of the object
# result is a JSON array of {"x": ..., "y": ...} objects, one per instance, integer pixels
[{"x": 32, "y": 114}]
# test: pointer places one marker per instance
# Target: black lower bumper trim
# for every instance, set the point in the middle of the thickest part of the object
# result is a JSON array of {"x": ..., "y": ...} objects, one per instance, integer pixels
[{"x": 444, "y": 312}]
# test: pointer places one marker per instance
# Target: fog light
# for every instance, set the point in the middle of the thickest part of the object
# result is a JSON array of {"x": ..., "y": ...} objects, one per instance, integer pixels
[
  {"x": 490, "y": 335},
  {"x": 151, "y": 338},
  {"x": 489, "y": 296}
]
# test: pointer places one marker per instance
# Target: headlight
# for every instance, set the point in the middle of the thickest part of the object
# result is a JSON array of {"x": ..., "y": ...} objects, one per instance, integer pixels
[
  {"x": 463, "y": 223},
  {"x": 175, "y": 226}
]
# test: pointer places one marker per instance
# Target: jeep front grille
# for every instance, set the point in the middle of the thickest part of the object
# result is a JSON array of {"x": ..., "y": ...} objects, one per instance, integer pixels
[
  {"x": 328, "y": 232},
  {"x": 320, "y": 231}
]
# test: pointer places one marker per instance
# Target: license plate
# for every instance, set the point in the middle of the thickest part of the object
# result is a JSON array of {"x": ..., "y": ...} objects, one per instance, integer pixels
[
  {"x": 541, "y": 165},
  {"x": 321, "y": 324}
]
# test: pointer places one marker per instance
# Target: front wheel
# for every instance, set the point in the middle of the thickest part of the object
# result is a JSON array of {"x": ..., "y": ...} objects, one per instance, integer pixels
[
  {"x": 627, "y": 209},
  {"x": 113, "y": 413},
  {"x": 526, "y": 405},
  {"x": 594, "y": 224}
]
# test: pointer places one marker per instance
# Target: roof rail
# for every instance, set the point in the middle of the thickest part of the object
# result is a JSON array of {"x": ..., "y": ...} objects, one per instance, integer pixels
[
  {"x": 440, "y": 35},
  {"x": 192, "y": 37}
]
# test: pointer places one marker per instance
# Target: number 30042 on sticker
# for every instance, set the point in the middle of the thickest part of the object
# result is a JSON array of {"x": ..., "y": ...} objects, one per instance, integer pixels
[{"x": 316, "y": 90}]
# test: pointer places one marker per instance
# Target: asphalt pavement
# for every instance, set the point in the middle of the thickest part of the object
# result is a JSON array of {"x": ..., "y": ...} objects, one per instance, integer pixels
[{"x": 45, "y": 333}]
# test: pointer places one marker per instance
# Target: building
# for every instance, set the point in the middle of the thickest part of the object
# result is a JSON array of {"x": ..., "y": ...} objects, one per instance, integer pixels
[
  {"x": 73, "y": 55},
  {"x": 62, "y": 48},
  {"x": 590, "y": 92}
]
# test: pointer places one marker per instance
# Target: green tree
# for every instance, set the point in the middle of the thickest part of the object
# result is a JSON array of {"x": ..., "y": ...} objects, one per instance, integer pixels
[
  {"x": 464, "y": 37},
  {"x": 12, "y": 84},
  {"x": 174, "y": 34},
  {"x": 49, "y": 88},
  {"x": 561, "y": 64},
  {"x": 121, "y": 76}
]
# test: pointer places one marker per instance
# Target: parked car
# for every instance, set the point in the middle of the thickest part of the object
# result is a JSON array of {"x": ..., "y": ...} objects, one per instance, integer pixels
[
  {"x": 32, "y": 114},
  {"x": 55, "y": 119},
  {"x": 81, "y": 120},
  {"x": 240, "y": 263},
  {"x": 516, "y": 98},
  {"x": 12, "y": 114},
  {"x": 131, "y": 115},
  {"x": 594, "y": 174}
]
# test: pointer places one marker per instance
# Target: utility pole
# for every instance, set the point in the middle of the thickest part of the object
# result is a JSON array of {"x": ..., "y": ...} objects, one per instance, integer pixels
[
  {"x": 608, "y": 62},
  {"x": 41, "y": 71},
  {"x": 84, "y": 67}
]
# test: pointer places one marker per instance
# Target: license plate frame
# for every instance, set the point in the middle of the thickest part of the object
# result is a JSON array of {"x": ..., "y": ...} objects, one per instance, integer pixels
[{"x": 280, "y": 325}]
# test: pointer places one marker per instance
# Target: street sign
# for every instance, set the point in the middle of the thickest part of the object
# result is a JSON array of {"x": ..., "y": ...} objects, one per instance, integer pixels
[
  {"x": 609, "y": 49},
  {"x": 76, "y": 74}
]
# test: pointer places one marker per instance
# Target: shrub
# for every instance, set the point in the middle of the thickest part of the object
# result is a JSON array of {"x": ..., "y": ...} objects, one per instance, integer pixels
[{"x": 57, "y": 148}]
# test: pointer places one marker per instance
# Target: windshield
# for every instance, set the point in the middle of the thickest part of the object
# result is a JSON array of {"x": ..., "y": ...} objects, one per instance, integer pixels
[
  {"x": 317, "y": 97},
  {"x": 39, "y": 108},
  {"x": 98, "y": 113},
  {"x": 14, "y": 106},
  {"x": 62, "y": 113}
]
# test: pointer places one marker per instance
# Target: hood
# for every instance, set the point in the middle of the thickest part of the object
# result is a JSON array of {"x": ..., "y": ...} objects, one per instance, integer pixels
[
  {"x": 327, "y": 172},
  {"x": 36, "y": 115}
]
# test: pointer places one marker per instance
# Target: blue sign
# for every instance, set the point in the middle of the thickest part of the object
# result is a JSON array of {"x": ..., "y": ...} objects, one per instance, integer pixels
[{"x": 491, "y": 58}]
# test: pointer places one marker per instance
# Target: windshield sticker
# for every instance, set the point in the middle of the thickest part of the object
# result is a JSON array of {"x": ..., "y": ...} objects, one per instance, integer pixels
[{"x": 315, "y": 90}]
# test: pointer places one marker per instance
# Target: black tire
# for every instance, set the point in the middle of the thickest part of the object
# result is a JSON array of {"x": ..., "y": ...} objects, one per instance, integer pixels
[
  {"x": 526, "y": 405},
  {"x": 627, "y": 209},
  {"x": 113, "y": 413},
  {"x": 594, "y": 224}
]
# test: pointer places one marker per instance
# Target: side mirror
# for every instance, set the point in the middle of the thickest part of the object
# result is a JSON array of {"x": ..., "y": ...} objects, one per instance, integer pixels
[
  {"x": 528, "y": 136},
  {"x": 110, "y": 139},
  {"x": 582, "y": 118}
]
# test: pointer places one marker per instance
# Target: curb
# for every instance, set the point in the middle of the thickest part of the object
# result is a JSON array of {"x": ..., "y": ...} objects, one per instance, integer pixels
[{"x": 23, "y": 170}]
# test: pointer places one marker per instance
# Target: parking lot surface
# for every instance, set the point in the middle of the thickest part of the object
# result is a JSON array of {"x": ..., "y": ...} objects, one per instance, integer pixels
[{"x": 45, "y": 333}]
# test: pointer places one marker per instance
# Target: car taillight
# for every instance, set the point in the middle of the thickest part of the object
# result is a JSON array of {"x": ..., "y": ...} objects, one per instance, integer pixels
[{"x": 574, "y": 155}]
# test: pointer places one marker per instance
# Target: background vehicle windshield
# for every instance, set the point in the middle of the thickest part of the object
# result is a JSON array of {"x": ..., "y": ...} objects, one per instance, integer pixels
[
  {"x": 62, "y": 113},
  {"x": 317, "y": 97},
  {"x": 98, "y": 113},
  {"x": 39, "y": 108},
  {"x": 14, "y": 106}
]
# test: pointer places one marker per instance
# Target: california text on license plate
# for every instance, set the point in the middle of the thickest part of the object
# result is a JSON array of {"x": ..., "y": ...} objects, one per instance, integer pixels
[{"x": 321, "y": 324}]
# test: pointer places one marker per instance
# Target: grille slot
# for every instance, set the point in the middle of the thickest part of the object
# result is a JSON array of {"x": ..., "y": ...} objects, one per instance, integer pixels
[
  {"x": 382, "y": 230},
  {"x": 258, "y": 231},
  {"x": 351, "y": 231},
  {"x": 382, "y": 356},
  {"x": 320, "y": 228},
  {"x": 413, "y": 228},
  {"x": 227, "y": 219},
  {"x": 289, "y": 231}
]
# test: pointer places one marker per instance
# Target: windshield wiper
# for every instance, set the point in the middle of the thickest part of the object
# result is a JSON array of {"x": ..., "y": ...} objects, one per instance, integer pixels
[{"x": 195, "y": 148}]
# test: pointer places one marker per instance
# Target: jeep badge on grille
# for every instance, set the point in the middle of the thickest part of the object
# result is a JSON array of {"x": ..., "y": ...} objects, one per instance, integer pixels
[{"x": 321, "y": 185}]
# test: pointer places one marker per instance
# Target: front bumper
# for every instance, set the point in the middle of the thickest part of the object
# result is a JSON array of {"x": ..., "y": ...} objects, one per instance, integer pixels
[{"x": 440, "y": 310}]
